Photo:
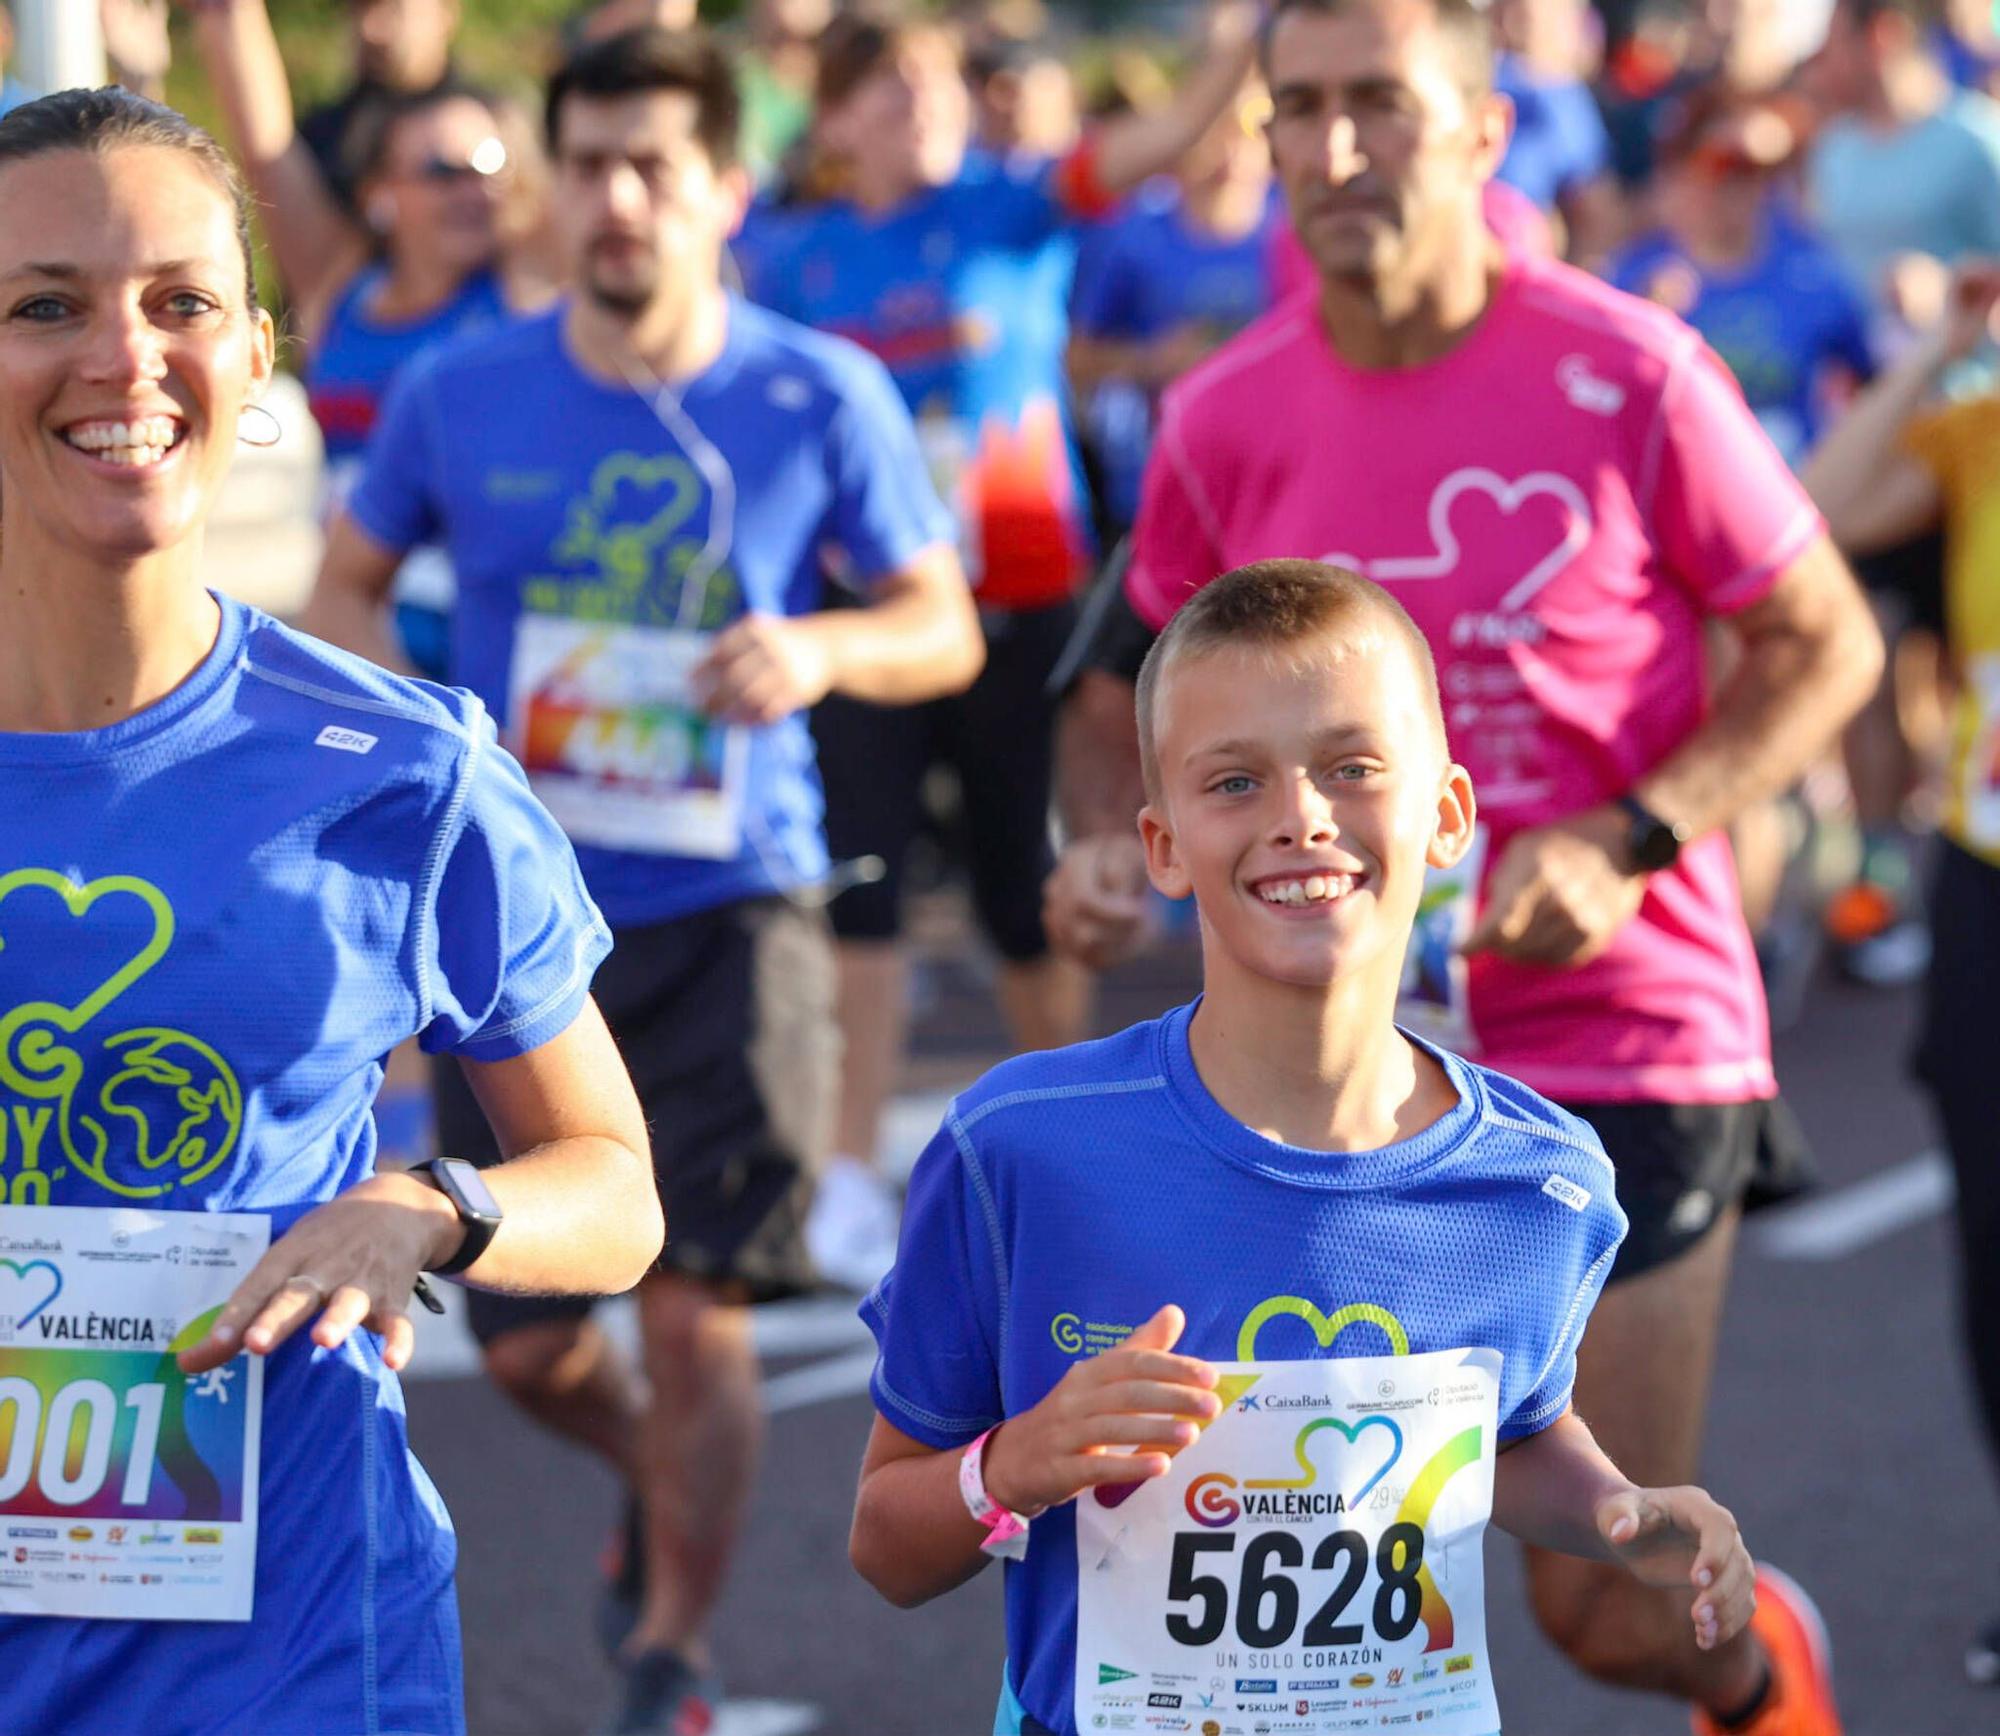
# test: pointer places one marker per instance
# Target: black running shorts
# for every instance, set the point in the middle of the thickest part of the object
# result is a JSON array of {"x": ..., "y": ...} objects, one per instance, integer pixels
[
  {"x": 999, "y": 737},
  {"x": 725, "y": 1019},
  {"x": 1681, "y": 1166}
]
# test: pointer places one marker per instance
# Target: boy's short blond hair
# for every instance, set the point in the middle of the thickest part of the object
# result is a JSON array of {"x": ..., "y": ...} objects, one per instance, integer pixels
[{"x": 1280, "y": 606}]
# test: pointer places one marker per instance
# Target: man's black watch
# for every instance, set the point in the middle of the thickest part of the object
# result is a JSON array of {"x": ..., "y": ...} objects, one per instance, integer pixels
[
  {"x": 1651, "y": 844},
  {"x": 478, "y": 1211}
]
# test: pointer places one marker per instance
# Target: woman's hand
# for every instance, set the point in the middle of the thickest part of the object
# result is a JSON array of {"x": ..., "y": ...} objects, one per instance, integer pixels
[{"x": 352, "y": 1262}]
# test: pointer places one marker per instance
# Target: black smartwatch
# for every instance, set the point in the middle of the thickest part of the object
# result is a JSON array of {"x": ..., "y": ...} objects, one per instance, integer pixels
[
  {"x": 1650, "y": 843},
  {"x": 478, "y": 1211}
]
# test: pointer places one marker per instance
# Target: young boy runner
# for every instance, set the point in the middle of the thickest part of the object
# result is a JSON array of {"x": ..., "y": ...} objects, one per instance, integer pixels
[{"x": 1233, "y": 1330}]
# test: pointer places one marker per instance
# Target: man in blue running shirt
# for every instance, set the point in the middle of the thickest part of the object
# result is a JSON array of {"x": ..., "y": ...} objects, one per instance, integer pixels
[{"x": 643, "y": 493}]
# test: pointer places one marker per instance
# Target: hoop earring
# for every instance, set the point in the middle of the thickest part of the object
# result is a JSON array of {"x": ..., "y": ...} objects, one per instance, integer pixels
[{"x": 277, "y": 429}]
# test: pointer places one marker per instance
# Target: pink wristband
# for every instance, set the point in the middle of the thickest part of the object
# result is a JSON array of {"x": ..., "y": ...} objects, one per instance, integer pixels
[{"x": 1007, "y": 1533}]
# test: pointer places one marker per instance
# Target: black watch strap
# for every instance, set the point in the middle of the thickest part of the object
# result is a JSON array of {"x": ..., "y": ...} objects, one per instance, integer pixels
[
  {"x": 1651, "y": 844},
  {"x": 478, "y": 1214}
]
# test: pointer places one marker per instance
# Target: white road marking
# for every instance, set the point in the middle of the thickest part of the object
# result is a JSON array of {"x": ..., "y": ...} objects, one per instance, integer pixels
[
  {"x": 837, "y": 1377},
  {"x": 907, "y": 1126},
  {"x": 808, "y": 1327},
  {"x": 1843, "y": 1222},
  {"x": 825, "y": 1326},
  {"x": 766, "y": 1718}
]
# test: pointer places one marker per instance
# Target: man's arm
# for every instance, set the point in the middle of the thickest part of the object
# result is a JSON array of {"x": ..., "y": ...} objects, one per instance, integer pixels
[
  {"x": 916, "y": 638},
  {"x": 348, "y": 606},
  {"x": 1134, "y": 148},
  {"x": 315, "y": 244},
  {"x": 1811, "y": 655}
]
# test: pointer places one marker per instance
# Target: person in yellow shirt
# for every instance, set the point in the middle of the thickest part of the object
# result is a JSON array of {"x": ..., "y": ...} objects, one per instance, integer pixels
[{"x": 1900, "y": 464}]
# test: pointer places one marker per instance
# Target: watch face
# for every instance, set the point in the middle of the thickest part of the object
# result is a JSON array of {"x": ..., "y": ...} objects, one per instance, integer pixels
[
  {"x": 468, "y": 1188},
  {"x": 1654, "y": 846}
]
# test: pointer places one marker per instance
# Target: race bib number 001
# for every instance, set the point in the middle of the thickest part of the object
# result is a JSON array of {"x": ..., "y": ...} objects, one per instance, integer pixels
[
  {"x": 604, "y": 719},
  {"x": 128, "y": 1489},
  {"x": 1311, "y": 1564}
]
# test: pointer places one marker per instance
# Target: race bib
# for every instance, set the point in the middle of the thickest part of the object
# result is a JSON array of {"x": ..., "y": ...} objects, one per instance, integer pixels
[
  {"x": 1433, "y": 1001},
  {"x": 128, "y": 1490},
  {"x": 605, "y": 722},
  {"x": 1311, "y": 1563}
]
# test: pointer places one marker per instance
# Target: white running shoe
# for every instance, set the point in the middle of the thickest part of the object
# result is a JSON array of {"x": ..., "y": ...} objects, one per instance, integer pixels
[{"x": 851, "y": 1231}]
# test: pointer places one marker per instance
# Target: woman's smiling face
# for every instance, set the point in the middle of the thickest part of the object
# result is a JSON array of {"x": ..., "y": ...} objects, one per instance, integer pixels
[{"x": 128, "y": 347}]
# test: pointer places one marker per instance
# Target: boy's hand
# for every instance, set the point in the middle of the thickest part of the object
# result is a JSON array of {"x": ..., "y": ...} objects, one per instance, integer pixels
[
  {"x": 1139, "y": 1395},
  {"x": 1676, "y": 1537}
]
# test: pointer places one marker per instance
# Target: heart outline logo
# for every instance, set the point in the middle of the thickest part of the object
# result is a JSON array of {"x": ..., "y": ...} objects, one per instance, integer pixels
[
  {"x": 21, "y": 1271},
  {"x": 36, "y": 1048},
  {"x": 1509, "y": 497},
  {"x": 1325, "y": 1329},
  {"x": 1309, "y": 1472}
]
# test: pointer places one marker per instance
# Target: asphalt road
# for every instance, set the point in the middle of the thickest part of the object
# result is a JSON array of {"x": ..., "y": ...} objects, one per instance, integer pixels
[{"x": 1841, "y": 1434}]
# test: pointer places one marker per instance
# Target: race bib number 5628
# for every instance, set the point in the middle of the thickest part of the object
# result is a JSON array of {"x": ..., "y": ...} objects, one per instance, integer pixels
[{"x": 1312, "y": 1562}]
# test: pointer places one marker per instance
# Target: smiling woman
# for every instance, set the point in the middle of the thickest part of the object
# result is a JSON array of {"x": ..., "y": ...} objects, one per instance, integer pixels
[{"x": 236, "y": 868}]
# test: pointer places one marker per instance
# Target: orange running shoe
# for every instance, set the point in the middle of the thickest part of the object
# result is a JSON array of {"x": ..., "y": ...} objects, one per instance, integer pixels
[{"x": 1794, "y": 1637}]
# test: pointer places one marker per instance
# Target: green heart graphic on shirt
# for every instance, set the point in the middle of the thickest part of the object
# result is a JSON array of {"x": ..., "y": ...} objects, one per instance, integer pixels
[
  {"x": 58, "y": 1067},
  {"x": 173, "y": 1105},
  {"x": 1324, "y": 1329},
  {"x": 625, "y": 550}
]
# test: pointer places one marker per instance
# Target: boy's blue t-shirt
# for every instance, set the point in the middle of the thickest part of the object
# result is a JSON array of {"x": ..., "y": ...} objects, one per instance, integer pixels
[
  {"x": 962, "y": 291},
  {"x": 1144, "y": 276},
  {"x": 1785, "y": 321},
  {"x": 265, "y": 883},
  {"x": 561, "y": 498},
  {"x": 1070, "y": 1195},
  {"x": 1559, "y": 141}
]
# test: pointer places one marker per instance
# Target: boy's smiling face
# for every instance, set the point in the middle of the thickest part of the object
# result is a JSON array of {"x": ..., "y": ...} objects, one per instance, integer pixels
[{"x": 1301, "y": 792}]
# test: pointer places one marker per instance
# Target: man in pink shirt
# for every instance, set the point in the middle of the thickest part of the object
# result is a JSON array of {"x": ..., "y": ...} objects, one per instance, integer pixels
[{"x": 1564, "y": 487}]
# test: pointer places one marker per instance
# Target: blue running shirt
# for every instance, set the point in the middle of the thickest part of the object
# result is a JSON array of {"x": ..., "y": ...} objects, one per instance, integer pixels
[
  {"x": 1785, "y": 322},
  {"x": 348, "y": 371},
  {"x": 1072, "y": 1194},
  {"x": 962, "y": 291},
  {"x": 1143, "y": 277},
  {"x": 1559, "y": 140},
  {"x": 251, "y": 892},
  {"x": 566, "y": 504}
]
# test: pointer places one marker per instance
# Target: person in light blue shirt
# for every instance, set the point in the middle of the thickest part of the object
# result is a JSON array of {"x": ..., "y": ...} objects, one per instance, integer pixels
[
  {"x": 649, "y": 495},
  {"x": 1271, "y": 1176},
  {"x": 237, "y": 868},
  {"x": 1747, "y": 271},
  {"x": 1907, "y": 164}
]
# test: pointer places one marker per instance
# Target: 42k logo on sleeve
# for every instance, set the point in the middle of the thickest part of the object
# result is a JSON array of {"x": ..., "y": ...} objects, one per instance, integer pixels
[{"x": 140, "y": 1109}]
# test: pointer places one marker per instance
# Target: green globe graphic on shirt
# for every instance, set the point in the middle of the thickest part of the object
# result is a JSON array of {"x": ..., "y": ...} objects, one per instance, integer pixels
[{"x": 140, "y": 1110}]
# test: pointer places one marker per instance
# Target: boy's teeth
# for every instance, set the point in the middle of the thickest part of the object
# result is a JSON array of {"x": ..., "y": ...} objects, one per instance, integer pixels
[{"x": 1314, "y": 889}]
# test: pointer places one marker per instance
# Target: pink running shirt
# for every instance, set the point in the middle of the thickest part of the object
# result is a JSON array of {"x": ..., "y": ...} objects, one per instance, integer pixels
[{"x": 1559, "y": 503}]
